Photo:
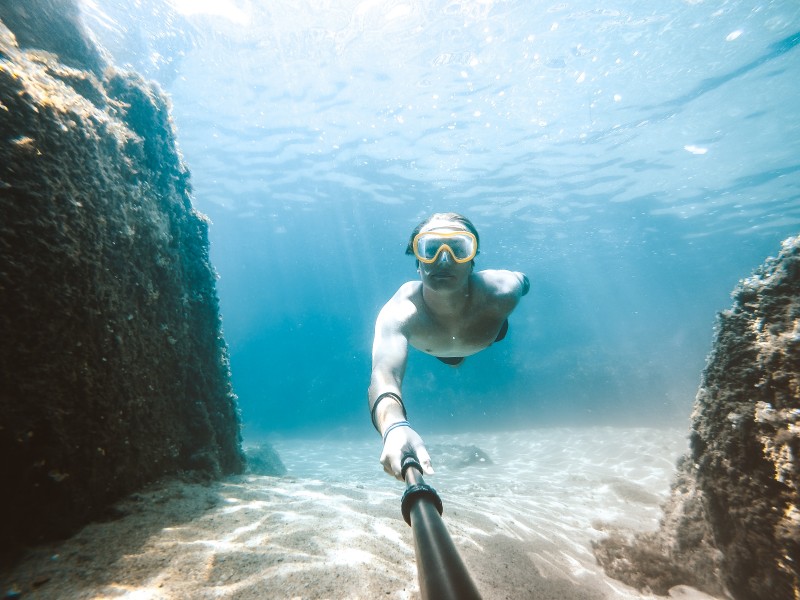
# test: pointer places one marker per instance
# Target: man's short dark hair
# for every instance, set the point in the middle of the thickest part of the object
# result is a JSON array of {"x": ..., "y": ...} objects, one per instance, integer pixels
[{"x": 451, "y": 216}]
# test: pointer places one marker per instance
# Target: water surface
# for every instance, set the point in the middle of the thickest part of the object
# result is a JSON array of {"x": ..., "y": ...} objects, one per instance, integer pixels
[{"x": 635, "y": 160}]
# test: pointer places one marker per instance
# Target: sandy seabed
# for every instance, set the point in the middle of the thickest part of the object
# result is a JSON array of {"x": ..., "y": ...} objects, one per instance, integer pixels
[{"x": 332, "y": 528}]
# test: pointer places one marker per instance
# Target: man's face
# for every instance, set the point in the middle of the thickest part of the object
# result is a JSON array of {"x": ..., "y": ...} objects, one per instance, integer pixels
[{"x": 444, "y": 273}]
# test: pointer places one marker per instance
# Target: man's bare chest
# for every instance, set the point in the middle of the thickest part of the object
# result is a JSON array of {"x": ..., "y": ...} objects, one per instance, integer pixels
[{"x": 457, "y": 336}]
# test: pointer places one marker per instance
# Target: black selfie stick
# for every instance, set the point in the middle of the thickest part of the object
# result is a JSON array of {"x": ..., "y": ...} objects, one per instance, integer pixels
[{"x": 442, "y": 574}]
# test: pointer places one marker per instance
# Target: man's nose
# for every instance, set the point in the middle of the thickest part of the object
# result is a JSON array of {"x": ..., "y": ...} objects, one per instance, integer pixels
[{"x": 444, "y": 256}]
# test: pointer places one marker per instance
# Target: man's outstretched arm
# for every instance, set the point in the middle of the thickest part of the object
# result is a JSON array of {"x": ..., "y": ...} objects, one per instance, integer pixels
[{"x": 388, "y": 413}]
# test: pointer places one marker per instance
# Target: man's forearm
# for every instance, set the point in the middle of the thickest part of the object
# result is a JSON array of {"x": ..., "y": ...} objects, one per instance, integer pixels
[{"x": 386, "y": 408}]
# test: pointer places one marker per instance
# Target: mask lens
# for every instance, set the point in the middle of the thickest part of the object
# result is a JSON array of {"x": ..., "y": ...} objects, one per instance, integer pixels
[
  {"x": 428, "y": 245},
  {"x": 461, "y": 245}
]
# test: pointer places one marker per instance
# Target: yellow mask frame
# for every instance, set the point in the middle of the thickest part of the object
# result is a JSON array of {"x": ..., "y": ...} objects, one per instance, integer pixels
[{"x": 429, "y": 240}]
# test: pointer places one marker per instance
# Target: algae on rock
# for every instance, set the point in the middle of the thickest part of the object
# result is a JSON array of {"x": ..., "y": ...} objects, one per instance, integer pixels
[{"x": 114, "y": 369}]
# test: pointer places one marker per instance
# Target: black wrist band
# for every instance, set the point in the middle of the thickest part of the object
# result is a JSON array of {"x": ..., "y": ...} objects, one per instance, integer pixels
[{"x": 383, "y": 396}]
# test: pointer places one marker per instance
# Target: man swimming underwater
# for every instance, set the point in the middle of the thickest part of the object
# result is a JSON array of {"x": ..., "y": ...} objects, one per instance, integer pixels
[{"x": 451, "y": 313}]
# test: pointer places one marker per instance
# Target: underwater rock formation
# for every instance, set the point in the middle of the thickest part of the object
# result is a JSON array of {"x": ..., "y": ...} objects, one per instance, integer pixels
[
  {"x": 263, "y": 459},
  {"x": 459, "y": 456},
  {"x": 732, "y": 520},
  {"x": 114, "y": 369}
]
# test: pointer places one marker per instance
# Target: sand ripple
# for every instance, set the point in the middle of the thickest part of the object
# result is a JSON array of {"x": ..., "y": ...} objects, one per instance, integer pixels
[{"x": 332, "y": 528}]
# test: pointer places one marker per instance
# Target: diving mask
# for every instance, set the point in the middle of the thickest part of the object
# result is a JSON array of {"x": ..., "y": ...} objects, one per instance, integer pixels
[{"x": 428, "y": 245}]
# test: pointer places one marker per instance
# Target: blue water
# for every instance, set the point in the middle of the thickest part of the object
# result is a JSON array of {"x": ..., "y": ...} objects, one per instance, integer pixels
[{"x": 634, "y": 160}]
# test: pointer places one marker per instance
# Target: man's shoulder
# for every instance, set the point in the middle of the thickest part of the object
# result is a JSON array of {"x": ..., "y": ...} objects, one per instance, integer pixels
[
  {"x": 407, "y": 291},
  {"x": 500, "y": 282},
  {"x": 402, "y": 306}
]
